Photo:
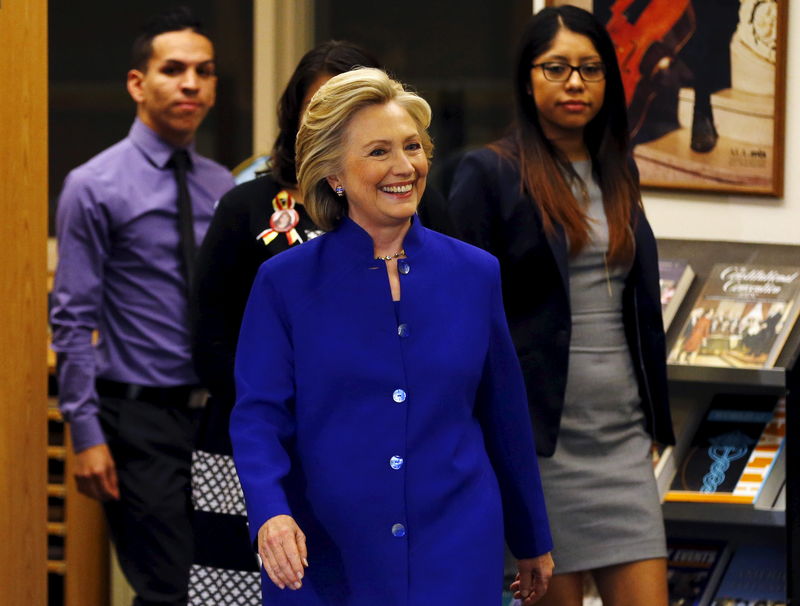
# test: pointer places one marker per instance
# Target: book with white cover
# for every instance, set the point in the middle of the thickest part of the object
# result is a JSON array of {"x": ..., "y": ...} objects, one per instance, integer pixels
[
  {"x": 770, "y": 493},
  {"x": 764, "y": 458},
  {"x": 780, "y": 500}
]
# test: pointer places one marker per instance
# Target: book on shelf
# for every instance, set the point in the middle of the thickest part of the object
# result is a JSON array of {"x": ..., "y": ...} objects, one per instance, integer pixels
[
  {"x": 780, "y": 500},
  {"x": 741, "y": 318},
  {"x": 769, "y": 497},
  {"x": 674, "y": 278},
  {"x": 663, "y": 467},
  {"x": 756, "y": 576},
  {"x": 694, "y": 569},
  {"x": 686, "y": 416},
  {"x": 732, "y": 451}
]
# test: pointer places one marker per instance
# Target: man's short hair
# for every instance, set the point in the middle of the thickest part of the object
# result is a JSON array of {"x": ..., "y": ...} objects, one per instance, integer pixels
[{"x": 172, "y": 20}]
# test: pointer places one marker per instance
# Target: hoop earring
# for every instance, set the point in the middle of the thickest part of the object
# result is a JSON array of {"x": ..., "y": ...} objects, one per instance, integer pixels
[{"x": 339, "y": 190}]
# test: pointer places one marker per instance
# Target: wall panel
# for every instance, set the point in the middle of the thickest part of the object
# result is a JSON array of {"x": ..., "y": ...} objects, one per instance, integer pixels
[{"x": 23, "y": 366}]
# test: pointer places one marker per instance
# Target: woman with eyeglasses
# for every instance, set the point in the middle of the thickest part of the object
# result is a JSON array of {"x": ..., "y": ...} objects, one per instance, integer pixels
[{"x": 558, "y": 202}]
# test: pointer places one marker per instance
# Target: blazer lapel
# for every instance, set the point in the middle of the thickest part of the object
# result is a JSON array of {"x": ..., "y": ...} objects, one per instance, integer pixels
[{"x": 558, "y": 245}]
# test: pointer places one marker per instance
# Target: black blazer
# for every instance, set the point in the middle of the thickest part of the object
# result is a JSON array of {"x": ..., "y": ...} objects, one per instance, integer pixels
[
  {"x": 489, "y": 209},
  {"x": 227, "y": 262}
]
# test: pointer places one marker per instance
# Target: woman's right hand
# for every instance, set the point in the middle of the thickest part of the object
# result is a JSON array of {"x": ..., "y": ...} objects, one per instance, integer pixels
[{"x": 282, "y": 547}]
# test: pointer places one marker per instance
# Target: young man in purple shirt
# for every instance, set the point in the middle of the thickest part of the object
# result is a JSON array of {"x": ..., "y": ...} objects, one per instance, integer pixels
[{"x": 124, "y": 271}]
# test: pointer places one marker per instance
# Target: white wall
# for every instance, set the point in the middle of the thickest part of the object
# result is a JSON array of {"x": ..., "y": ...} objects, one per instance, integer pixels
[
  {"x": 274, "y": 59},
  {"x": 696, "y": 216}
]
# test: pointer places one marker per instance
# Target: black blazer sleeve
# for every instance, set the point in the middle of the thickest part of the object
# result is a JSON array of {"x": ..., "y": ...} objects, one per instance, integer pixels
[
  {"x": 223, "y": 282},
  {"x": 644, "y": 327},
  {"x": 489, "y": 209}
]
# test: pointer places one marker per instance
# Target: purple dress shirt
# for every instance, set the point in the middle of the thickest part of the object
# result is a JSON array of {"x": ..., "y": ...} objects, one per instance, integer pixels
[{"x": 119, "y": 271}]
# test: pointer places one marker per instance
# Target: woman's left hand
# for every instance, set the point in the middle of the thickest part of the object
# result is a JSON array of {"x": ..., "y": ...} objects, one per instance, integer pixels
[{"x": 533, "y": 578}]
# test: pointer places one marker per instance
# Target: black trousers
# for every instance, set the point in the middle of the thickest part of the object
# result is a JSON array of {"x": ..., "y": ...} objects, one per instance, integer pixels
[{"x": 151, "y": 523}]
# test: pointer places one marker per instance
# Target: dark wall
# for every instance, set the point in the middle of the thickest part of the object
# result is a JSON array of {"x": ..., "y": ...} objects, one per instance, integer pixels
[{"x": 456, "y": 53}]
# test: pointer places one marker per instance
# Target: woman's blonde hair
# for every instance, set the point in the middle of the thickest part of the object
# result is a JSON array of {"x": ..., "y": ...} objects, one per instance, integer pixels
[{"x": 321, "y": 138}]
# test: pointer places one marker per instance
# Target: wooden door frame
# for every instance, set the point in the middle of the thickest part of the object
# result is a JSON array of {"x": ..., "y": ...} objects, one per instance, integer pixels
[{"x": 23, "y": 300}]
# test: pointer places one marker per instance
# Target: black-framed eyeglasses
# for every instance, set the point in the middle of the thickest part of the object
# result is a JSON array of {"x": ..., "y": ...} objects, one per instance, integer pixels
[{"x": 555, "y": 71}]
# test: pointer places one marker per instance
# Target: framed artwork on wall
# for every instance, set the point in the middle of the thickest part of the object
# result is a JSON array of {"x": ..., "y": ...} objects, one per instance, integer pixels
[{"x": 705, "y": 86}]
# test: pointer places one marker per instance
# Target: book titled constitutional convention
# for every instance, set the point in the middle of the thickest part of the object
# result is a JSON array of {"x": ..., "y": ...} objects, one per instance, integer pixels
[{"x": 741, "y": 318}]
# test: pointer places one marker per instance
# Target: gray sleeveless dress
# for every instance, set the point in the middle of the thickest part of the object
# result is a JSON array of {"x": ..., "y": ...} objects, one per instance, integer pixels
[{"x": 601, "y": 494}]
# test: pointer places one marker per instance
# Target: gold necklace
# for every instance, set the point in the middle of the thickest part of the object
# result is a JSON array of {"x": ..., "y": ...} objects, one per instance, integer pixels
[
  {"x": 584, "y": 193},
  {"x": 399, "y": 253}
]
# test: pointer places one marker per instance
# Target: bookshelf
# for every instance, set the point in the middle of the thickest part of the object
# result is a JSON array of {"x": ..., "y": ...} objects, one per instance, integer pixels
[
  {"x": 695, "y": 386},
  {"x": 77, "y": 546},
  {"x": 77, "y": 541},
  {"x": 768, "y": 379}
]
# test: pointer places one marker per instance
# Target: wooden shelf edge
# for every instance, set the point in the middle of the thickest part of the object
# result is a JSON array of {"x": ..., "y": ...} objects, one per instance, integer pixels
[
  {"x": 773, "y": 378},
  {"x": 56, "y": 490},
  {"x": 56, "y": 567},
  {"x": 723, "y": 513},
  {"x": 56, "y": 452}
]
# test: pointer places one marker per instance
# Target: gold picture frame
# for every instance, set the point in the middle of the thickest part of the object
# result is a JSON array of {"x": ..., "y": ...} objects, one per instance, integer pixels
[{"x": 705, "y": 85}]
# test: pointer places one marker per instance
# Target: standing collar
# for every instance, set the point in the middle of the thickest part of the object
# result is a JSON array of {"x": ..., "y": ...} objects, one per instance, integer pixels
[
  {"x": 357, "y": 239},
  {"x": 154, "y": 148}
]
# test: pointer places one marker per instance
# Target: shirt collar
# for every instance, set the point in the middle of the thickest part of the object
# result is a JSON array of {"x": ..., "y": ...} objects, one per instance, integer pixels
[
  {"x": 155, "y": 149},
  {"x": 357, "y": 238}
]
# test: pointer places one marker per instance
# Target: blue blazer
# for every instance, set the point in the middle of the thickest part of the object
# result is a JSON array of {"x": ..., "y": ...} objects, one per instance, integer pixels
[
  {"x": 489, "y": 208},
  {"x": 396, "y": 435}
]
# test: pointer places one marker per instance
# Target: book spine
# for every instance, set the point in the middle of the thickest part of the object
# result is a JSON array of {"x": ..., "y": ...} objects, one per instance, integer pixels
[{"x": 763, "y": 457}]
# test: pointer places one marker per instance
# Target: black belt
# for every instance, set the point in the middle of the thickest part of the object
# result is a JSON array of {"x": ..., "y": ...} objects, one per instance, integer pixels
[{"x": 189, "y": 396}]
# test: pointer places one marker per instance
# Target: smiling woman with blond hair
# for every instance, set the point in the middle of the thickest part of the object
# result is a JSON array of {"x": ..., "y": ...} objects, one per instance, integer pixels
[
  {"x": 326, "y": 128},
  {"x": 379, "y": 401}
]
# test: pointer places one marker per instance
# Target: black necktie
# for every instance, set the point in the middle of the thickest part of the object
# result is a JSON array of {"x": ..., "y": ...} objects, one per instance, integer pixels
[{"x": 180, "y": 163}]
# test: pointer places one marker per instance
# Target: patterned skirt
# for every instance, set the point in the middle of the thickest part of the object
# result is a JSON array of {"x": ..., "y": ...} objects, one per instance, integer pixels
[{"x": 225, "y": 571}]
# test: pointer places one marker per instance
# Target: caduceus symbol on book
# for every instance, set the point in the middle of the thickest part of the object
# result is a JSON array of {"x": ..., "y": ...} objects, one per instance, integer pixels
[{"x": 723, "y": 450}]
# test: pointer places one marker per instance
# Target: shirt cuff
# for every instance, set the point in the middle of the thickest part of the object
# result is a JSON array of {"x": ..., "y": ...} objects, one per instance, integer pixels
[{"x": 86, "y": 432}]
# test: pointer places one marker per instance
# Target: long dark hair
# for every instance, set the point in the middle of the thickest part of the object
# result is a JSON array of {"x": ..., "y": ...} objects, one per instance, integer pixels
[
  {"x": 333, "y": 57},
  {"x": 543, "y": 167}
]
